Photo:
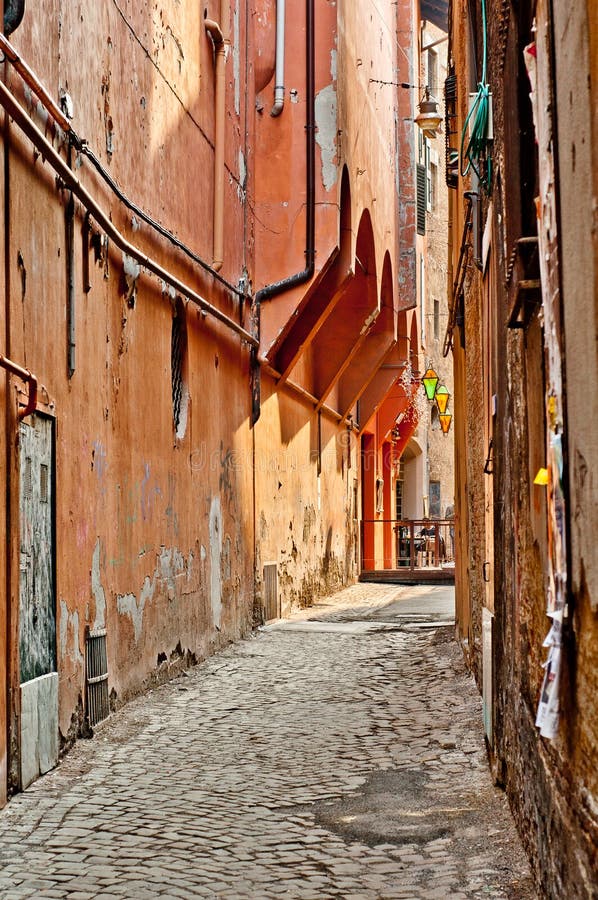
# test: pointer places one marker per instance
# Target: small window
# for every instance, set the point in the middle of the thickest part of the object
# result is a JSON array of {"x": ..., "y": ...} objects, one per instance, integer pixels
[
  {"x": 399, "y": 500},
  {"x": 435, "y": 499},
  {"x": 178, "y": 362},
  {"x": 433, "y": 185},
  {"x": 421, "y": 199},
  {"x": 433, "y": 72}
]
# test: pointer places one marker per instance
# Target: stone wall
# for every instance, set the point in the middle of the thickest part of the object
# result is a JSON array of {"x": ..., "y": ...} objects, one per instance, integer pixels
[{"x": 551, "y": 783}]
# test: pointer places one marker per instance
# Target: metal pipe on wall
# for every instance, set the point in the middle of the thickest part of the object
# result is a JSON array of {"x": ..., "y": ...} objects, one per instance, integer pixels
[
  {"x": 279, "y": 68},
  {"x": 69, "y": 215},
  {"x": 277, "y": 287},
  {"x": 32, "y": 81},
  {"x": 219, "y": 32},
  {"x": 26, "y": 376},
  {"x": 18, "y": 114}
]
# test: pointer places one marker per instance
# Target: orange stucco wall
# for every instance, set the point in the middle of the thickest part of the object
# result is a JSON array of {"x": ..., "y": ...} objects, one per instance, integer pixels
[{"x": 161, "y": 534}]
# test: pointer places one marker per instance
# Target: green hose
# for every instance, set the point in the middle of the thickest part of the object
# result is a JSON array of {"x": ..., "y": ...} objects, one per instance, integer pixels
[{"x": 479, "y": 116}]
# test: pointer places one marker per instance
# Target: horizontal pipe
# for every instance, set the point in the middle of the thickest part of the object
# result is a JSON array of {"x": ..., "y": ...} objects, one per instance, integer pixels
[
  {"x": 37, "y": 88},
  {"x": 32, "y": 81},
  {"x": 16, "y": 112},
  {"x": 26, "y": 376},
  {"x": 301, "y": 391}
]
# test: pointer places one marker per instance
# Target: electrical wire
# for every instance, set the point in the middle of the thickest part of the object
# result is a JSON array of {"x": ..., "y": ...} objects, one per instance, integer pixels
[
  {"x": 85, "y": 150},
  {"x": 479, "y": 117}
]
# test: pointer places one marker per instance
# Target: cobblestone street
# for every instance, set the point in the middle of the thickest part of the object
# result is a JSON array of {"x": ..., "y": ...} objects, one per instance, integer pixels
[{"x": 337, "y": 755}]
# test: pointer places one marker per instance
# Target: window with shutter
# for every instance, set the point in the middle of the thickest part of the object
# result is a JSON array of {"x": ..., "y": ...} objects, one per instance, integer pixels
[{"x": 421, "y": 199}]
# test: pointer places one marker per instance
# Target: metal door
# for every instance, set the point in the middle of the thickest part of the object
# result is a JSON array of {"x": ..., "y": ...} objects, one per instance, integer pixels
[{"x": 37, "y": 607}]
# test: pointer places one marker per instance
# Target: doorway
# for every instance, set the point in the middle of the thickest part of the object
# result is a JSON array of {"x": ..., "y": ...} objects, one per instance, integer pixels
[{"x": 37, "y": 604}]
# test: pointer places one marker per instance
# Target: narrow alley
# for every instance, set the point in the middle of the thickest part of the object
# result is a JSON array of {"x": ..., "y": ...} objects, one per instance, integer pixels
[{"x": 335, "y": 754}]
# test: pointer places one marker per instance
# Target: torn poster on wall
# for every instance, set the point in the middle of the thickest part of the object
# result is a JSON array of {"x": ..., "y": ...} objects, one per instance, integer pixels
[{"x": 537, "y": 61}]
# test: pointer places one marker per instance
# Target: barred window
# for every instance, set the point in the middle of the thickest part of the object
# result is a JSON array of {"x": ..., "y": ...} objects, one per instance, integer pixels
[{"x": 178, "y": 354}]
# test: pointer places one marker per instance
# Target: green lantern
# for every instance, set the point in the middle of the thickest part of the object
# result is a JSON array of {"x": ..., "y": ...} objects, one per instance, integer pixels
[{"x": 429, "y": 381}]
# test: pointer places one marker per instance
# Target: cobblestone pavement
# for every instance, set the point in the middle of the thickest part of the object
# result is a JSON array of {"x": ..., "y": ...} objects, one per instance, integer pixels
[{"x": 333, "y": 761}]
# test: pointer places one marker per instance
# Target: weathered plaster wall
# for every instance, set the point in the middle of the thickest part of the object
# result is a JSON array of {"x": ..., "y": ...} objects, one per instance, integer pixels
[
  {"x": 305, "y": 522},
  {"x": 551, "y": 784},
  {"x": 154, "y": 531},
  {"x": 279, "y": 187},
  {"x": 368, "y": 50},
  {"x": 159, "y": 529}
]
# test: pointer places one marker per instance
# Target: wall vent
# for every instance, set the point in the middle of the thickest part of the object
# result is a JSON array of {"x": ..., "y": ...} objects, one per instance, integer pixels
[
  {"x": 271, "y": 610},
  {"x": 96, "y": 676}
]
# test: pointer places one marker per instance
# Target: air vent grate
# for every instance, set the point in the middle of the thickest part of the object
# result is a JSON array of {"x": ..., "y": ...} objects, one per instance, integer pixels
[
  {"x": 271, "y": 591},
  {"x": 96, "y": 676}
]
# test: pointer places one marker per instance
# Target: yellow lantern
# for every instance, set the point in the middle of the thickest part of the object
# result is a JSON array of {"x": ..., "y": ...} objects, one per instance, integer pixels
[
  {"x": 445, "y": 422},
  {"x": 442, "y": 398}
]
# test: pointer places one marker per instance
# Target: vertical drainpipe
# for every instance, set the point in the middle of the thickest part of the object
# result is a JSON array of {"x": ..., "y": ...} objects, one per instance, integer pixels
[
  {"x": 219, "y": 32},
  {"x": 279, "y": 71},
  {"x": 69, "y": 218},
  {"x": 277, "y": 287},
  {"x": 13, "y": 16}
]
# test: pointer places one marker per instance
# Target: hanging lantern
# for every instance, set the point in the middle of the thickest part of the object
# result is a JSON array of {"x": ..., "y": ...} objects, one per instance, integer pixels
[
  {"x": 428, "y": 118},
  {"x": 429, "y": 381},
  {"x": 442, "y": 398},
  {"x": 445, "y": 422}
]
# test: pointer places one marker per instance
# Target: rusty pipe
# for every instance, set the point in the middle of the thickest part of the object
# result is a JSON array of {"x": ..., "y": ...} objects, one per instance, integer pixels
[
  {"x": 302, "y": 392},
  {"x": 33, "y": 82},
  {"x": 18, "y": 114},
  {"x": 221, "y": 41},
  {"x": 29, "y": 378}
]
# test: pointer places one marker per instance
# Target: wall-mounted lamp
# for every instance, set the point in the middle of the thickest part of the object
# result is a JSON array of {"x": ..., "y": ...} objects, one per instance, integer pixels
[
  {"x": 429, "y": 381},
  {"x": 442, "y": 398},
  {"x": 428, "y": 118},
  {"x": 445, "y": 422}
]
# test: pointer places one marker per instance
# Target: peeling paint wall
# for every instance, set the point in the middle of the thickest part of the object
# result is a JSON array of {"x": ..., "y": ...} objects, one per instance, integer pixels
[
  {"x": 307, "y": 523},
  {"x": 137, "y": 551},
  {"x": 327, "y": 125},
  {"x": 156, "y": 509}
]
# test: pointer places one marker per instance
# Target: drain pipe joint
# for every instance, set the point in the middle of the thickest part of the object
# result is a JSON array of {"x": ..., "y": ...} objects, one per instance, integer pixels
[{"x": 279, "y": 71}]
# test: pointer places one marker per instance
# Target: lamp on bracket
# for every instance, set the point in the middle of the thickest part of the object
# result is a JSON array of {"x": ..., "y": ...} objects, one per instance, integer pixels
[
  {"x": 442, "y": 399},
  {"x": 428, "y": 118},
  {"x": 445, "y": 422},
  {"x": 429, "y": 381}
]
